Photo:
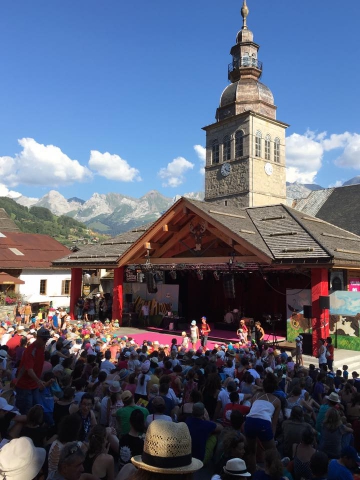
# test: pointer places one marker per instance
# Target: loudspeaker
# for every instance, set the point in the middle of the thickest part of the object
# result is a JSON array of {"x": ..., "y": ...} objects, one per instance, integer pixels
[
  {"x": 307, "y": 343},
  {"x": 150, "y": 282},
  {"x": 229, "y": 285},
  {"x": 307, "y": 311},
  {"x": 324, "y": 302}
]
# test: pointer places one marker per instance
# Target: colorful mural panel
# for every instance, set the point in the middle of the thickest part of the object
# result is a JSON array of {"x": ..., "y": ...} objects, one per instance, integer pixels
[{"x": 296, "y": 323}]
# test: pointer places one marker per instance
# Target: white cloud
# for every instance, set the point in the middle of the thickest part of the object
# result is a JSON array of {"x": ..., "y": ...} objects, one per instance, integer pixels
[
  {"x": 5, "y": 192},
  {"x": 338, "y": 183},
  {"x": 201, "y": 153},
  {"x": 39, "y": 164},
  {"x": 303, "y": 157},
  {"x": 350, "y": 158},
  {"x": 173, "y": 174},
  {"x": 112, "y": 167}
]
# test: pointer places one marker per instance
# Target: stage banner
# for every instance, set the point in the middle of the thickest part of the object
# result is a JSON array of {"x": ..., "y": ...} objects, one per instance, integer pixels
[
  {"x": 296, "y": 323},
  {"x": 345, "y": 319}
]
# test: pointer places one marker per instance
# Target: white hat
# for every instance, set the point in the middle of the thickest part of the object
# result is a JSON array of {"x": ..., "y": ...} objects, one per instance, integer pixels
[
  {"x": 56, "y": 335},
  {"x": 10, "y": 330},
  {"x": 3, "y": 354},
  {"x": 21, "y": 460},
  {"x": 32, "y": 330},
  {"x": 156, "y": 342},
  {"x": 297, "y": 339},
  {"x": 236, "y": 467},
  {"x": 4, "y": 405},
  {"x": 193, "y": 322},
  {"x": 20, "y": 327}
]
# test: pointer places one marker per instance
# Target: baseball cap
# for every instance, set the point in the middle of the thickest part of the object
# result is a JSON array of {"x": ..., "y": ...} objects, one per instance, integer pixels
[{"x": 43, "y": 333}]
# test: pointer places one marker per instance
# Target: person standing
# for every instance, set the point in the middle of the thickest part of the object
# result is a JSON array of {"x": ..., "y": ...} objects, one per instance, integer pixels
[
  {"x": 205, "y": 330},
  {"x": 259, "y": 335},
  {"x": 27, "y": 313},
  {"x": 329, "y": 353},
  {"x": 194, "y": 334},
  {"x": 18, "y": 313},
  {"x": 322, "y": 353},
  {"x": 145, "y": 313},
  {"x": 28, "y": 382}
]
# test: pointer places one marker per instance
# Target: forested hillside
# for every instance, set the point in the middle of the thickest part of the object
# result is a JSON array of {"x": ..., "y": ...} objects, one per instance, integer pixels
[{"x": 40, "y": 220}]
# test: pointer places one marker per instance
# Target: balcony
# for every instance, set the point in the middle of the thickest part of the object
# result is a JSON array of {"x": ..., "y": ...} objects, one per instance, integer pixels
[{"x": 236, "y": 66}]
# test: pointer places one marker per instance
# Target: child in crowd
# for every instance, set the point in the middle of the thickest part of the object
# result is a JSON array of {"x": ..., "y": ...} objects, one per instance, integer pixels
[{"x": 345, "y": 372}]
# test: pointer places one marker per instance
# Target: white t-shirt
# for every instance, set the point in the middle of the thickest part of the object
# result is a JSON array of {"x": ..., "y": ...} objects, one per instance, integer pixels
[
  {"x": 141, "y": 389},
  {"x": 254, "y": 373}
]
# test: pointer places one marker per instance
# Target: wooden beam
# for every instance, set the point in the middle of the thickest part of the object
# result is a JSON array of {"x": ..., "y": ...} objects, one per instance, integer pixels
[
  {"x": 152, "y": 245},
  {"x": 219, "y": 234},
  {"x": 173, "y": 240},
  {"x": 198, "y": 260},
  {"x": 171, "y": 228},
  {"x": 139, "y": 244}
]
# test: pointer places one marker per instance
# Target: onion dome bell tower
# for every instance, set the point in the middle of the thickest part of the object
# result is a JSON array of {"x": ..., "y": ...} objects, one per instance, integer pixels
[{"x": 245, "y": 148}]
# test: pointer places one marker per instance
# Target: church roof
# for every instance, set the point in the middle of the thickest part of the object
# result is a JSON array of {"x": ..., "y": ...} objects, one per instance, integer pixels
[
  {"x": 334, "y": 205},
  {"x": 6, "y": 223}
]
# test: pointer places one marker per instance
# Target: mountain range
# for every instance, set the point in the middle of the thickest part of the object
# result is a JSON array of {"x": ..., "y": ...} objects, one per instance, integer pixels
[{"x": 114, "y": 213}]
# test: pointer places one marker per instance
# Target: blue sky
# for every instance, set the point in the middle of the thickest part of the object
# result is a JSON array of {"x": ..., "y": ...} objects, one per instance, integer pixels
[{"x": 110, "y": 96}]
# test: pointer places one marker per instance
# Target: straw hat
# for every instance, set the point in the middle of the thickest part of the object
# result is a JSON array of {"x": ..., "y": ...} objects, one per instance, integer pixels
[
  {"x": 167, "y": 449},
  {"x": 333, "y": 397},
  {"x": 236, "y": 467}
]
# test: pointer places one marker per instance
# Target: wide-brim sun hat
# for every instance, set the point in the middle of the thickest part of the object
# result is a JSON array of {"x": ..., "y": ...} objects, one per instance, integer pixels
[
  {"x": 167, "y": 449},
  {"x": 115, "y": 387},
  {"x": 21, "y": 460},
  {"x": 333, "y": 397}
]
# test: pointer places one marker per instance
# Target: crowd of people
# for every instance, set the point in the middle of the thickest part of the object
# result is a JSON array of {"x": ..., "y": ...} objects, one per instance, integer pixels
[{"x": 84, "y": 402}]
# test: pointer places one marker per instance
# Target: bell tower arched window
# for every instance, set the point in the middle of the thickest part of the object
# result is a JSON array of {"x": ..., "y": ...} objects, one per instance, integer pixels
[
  {"x": 267, "y": 147},
  {"x": 277, "y": 150},
  {"x": 258, "y": 144},
  {"x": 226, "y": 148},
  {"x": 215, "y": 151},
  {"x": 239, "y": 144}
]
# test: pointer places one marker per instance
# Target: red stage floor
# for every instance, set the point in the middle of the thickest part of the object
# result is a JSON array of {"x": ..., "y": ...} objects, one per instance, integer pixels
[{"x": 216, "y": 336}]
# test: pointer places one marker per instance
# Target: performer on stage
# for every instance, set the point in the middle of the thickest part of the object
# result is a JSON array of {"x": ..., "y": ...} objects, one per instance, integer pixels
[
  {"x": 242, "y": 332},
  {"x": 259, "y": 335},
  {"x": 205, "y": 330},
  {"x": 194, "y": 334}
]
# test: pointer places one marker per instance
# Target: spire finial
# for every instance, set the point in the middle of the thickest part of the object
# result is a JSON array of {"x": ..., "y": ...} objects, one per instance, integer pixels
[{"x": 244, "y": 14}]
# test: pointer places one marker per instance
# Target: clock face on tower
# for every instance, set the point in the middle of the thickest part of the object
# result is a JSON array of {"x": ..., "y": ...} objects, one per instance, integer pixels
[
  {"x": 225, "y": 169},
  {"x": 268, "y": 169}
]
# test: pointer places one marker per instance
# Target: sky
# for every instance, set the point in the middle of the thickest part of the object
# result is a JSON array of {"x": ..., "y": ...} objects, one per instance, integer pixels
[{"x": 111, "y": 95}]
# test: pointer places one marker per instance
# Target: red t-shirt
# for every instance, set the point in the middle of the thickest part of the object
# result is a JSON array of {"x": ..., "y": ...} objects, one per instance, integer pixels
[
  {"x": 33, "y": 357},
  {"x": 122, "y": 364},
  {"x": 230, "y": 407},
  {"x": 12, "y": 343}
]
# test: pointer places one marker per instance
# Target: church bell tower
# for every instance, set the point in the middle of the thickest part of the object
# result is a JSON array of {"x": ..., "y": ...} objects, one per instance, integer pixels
[{"x": 245, "y": 148}]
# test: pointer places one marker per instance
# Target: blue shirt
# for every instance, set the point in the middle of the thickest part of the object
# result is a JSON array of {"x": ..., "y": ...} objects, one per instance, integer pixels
[
  {"x": 338, "y": 472},
  {"x": 55, "y": 321},
  {"x": 200, "y": 430}
]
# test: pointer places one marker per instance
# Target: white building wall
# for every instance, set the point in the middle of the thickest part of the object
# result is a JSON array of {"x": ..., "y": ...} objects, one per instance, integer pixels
[{"x": 53, "y": 279}]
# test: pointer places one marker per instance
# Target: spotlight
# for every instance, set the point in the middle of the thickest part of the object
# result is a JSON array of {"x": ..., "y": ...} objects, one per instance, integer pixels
[
  {"x": 216, "y": 275},
  {"x": 173, "y": 274},
  {"x": 200, "y": 275}
]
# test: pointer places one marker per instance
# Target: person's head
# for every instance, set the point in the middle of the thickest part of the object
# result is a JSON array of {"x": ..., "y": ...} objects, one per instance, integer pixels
[
  {"x": 236, "y": 419},
  {"x": 333, "y": 399},
  {"x": 270, "y": 383},
  {"x": 86, "y": 404},
  {"x": 137, "y": 420},
  {"x": 235, "y": 468},
  {"x": 349, "y": 457},
  {"x": 42, "y": 336},
  {"x": 21, "y": 460},
  {"x": 296, "y": 391},
  {"x": 69, "y": 393},
  {"x": 158, "y": 405},
  {"x": 297, "y": 414},
  {"x": 198, "y": 410},
  {"x": 345, "y": 368},
  {"x": 321, "y": 341},
  {"x": 69, "y": 428},
  {"x": 195, "y": 396},
  {"x": 127, "y": 398},
  {"x": 273, "y": 465},
  {"x": 319, "y": 463},
  {"x": 234, "y": 397},
  {"x": 35, "y": 415},
  {"x": 167, "y": 450},
  {"x": 107, "y": 355},
  {"x": 332, "y": 419},
  {"x": 329, "y": 340},
  {"x": 203, "y": 319},
  {"x": 97, "y": 439},
  {"x": 308, "y": 436},
  {"x": 71, "y": 461}
]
